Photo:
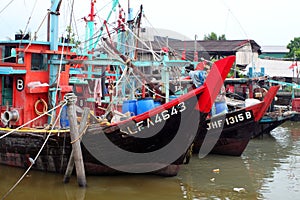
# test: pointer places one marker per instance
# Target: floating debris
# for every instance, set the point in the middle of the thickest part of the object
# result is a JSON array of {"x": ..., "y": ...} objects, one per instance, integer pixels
[
  {"x": 216, "y": 170},
  {"x": 239, "y": 190}
]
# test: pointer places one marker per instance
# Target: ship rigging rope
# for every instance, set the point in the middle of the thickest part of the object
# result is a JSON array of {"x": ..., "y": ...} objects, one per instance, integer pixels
[
  {"x": 117, "y": 84},
  {"x": 160, "y": 40},
  {"x": 124, "y": 75},
  {"x": 148, "y": 49},
  {"x": 230, "y": 11},
  {"x": 38, "y": 29},
  {"x": 58, "y": 79},
  {"x": 113, "y": 55},
  {"x": 108, "y": 17},
  {"x": 26, "y": 25},
  {"x": 16, "y": 129},
  {"x": 155, "y": 55},
  {"x": 29, "y": 44},
  {"x": 6, "y": 6},
  {"x": 37, "y": 155},
  {"x": 30, "y": 16},
  {"x": 148, "y": 87}
]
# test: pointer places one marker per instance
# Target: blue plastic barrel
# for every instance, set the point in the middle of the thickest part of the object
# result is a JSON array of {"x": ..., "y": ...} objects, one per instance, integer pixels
[
  {"x": 144, "y": 105},
  {"x": 221, "y": 107},
  {"x": 129, "y": 106},
  {"x": 172, "y": 97},
  {"x": 156, "y": 104},
  {"x": 64, "y": 120}
]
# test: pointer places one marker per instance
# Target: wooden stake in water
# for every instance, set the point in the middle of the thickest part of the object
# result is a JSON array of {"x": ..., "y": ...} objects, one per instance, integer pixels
[
  {"x": 78, "y": 160},
  {"x": 70, "y": 167}
]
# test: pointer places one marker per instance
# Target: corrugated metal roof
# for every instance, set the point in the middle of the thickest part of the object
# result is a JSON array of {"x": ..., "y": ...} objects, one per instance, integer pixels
[
  {"x": 274, "y": 49},
  {"x": 205, "y": 48},
  {"x": 206, "y": 45}
]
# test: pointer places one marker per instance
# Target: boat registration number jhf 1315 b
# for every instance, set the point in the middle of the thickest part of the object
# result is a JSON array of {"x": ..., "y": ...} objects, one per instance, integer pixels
[{"x": 230, "y": 119}]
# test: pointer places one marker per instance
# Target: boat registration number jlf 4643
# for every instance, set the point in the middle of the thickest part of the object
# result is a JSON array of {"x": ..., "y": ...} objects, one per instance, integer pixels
[
  {"x": 230, "y": 120},
  {"x": 158, "y": 118}
]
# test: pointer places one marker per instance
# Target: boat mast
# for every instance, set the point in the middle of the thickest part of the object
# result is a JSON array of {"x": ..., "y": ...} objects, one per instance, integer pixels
[
  {"x": 130, "y": 21},
  {"x": 90, "y": 28},
  {"x": 54, "y": 12},
  {"x": 114, "y": 5},
  {"x": 138, "y": 31},
  {"x": 131, "y": 50}
]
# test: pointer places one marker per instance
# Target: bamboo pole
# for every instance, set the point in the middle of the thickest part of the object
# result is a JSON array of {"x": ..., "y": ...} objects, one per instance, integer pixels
[
  {"x": 78, "y": 160},
  {"x": 71, "y": 162}
]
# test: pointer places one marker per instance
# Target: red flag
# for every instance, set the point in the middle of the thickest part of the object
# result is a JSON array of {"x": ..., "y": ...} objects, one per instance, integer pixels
[{"x": 292, "y": 66}]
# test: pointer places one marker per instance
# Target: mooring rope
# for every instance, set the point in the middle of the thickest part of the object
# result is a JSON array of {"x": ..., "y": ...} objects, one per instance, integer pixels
[
  {"x": 46, "y": 113},
  {"x": 81, "y": 134},
  {"x": 37, "y": 155},
  {"x": 135, "y": 76}
]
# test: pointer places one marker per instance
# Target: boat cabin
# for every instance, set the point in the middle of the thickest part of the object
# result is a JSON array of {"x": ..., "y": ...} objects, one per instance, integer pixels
[{"x": 25, "y": 80}]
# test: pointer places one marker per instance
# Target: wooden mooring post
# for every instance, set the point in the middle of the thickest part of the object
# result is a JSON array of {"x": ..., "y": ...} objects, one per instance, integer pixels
[
  {"x": 82, "y": 126},
  {"x": 74, "y": 134}
]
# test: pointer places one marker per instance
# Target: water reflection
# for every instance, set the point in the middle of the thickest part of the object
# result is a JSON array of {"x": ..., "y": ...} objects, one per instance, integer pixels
[
  {"x": 216, "y": 177},
  {"x": 268, "y": 169},
  {"x": 39, "y": 185},
  {"x": 285, "y": 183}
]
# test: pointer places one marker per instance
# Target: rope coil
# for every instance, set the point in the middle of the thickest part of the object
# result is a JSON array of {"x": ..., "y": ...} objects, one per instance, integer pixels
[{"x": 45, "y": 107}]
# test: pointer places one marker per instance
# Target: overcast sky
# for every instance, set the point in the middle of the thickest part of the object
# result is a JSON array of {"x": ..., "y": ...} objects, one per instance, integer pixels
[{"x": 268, "y": 22}]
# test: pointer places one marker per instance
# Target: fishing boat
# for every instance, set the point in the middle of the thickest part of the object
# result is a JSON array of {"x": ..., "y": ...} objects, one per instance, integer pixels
[
  {"x": 255, "y": 88},
  {"x": 229, "y": 133},
  {"x": 38, "y": 82},
  {"x": 272, "y": 120}
]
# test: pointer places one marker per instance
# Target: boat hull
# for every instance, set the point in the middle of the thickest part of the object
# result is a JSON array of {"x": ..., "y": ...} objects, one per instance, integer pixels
[
  {"x": 270, "y": 122},
  {"x": 19, "y": 149},
  {"x": 145, "y": 143},
  {"x": 133, "y": 137},
  {"x": 229, "y": 134},
  {"x": 226, "y": 134}
]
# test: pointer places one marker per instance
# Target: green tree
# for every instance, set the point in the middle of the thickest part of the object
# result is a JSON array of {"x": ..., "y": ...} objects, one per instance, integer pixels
[
  {"x": 71, "y": 36},
  {"x": 214, "y": 36},
  {"x": 222, "y": 37},
  {"x": 294, "y": 49}
]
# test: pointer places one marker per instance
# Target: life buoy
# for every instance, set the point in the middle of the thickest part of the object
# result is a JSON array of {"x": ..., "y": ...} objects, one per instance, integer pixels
[{"x": 44, "y": 104}]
